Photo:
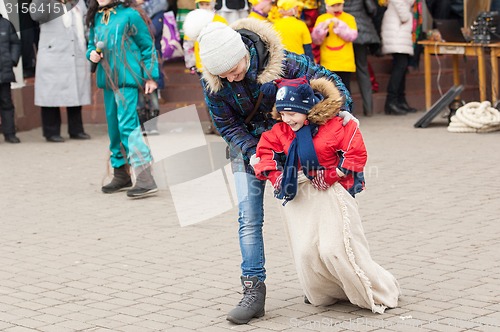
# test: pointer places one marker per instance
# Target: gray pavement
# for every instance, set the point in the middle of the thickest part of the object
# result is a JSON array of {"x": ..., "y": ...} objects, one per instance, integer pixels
[{"x": 74, "y": 259}]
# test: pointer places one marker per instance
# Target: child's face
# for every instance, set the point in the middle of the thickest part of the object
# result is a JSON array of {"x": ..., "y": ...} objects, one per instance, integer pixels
[
  {"x": 207, "y": 5},
  {"x": 104, "y": 2},
  {"x": 293, "y": 119},
  {"x": 337, "y": 8},
  {"x": 237, "y": 73},
  {"x": 266, "y": 6}
]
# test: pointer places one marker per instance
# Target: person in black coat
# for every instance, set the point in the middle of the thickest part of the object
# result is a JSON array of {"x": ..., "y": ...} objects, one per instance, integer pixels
[
  {"x": 29, "y": 40},
  {"x": 10, "y": 51}
]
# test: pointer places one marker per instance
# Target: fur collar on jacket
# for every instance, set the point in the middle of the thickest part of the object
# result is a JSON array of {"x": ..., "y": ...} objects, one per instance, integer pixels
[
  {"x": 274, "y": 68},
  {"x": 326, "y": 109}
]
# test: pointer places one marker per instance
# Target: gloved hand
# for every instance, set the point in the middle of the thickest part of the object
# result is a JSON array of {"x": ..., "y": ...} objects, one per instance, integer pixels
[
  {"x": 254, "y": 160},
  {"x": 277, "y": 184},
  {"x": 346, "y": 117},
  {"x": 319, "y": 182},
  {"x": 324, "y": 179}
]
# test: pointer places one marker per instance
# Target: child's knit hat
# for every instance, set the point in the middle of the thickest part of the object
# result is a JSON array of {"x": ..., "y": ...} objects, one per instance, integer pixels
[
  {"x": 221, "y": 48},
  {"x": 333, "y": 2},
  {"x": 295, "y": 95}
]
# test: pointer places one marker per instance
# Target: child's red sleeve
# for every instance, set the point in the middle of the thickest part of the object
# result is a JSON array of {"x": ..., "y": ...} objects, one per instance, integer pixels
[
  {"x": 353, "y": 150},
  {"x": 268, "y": 150}
]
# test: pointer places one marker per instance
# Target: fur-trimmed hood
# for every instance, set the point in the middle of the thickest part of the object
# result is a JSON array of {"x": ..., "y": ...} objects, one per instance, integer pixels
[
  {"x": 326, "y": 109},
  {"x": 272, "y": 70}
]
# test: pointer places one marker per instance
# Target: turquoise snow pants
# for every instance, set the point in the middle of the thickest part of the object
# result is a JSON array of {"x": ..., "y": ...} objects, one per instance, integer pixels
[{"x": 124, "y": 128}]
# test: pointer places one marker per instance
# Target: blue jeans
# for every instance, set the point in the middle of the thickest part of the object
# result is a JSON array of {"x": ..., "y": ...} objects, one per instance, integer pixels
[{"x": 250, "y": 192}]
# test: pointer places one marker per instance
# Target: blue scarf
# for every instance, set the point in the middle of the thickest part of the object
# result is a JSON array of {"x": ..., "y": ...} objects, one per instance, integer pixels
[{"x": 302, "y": 148}]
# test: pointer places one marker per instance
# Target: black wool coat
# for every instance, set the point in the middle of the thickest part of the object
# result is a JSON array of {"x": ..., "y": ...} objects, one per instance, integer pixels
[
  {"x": 363, "y": 11},
  {"x": 10, "y": 50}
]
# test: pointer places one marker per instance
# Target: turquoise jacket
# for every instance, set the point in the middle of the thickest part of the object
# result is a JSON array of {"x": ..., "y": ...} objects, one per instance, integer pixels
[{"x": 129, "y": 56}]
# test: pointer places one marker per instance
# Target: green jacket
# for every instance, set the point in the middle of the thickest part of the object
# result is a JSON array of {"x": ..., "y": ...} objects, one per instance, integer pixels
[{"x": 129, "y": 57}]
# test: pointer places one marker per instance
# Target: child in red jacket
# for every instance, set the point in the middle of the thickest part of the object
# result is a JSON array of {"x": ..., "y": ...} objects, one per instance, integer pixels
[{"x": 322, "y": 170}]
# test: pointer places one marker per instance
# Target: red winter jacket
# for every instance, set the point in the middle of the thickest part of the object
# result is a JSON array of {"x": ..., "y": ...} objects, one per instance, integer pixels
[{"x": 336, "y": 146}]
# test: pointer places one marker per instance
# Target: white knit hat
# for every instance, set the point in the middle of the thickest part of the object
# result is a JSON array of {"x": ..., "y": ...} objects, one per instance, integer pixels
[
  {"x": 221, "y": 48},
  {"x": 195, "y": 21}
]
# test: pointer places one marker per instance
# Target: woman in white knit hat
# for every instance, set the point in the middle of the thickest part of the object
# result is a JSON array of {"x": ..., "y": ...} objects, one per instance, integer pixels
[
  {"x": 237, "y": 60},
  {"x": 203, "y": 15}
]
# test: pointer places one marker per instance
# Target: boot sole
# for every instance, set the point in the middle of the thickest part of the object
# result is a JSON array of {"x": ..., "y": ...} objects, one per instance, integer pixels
[
  {"x": 240, "y": 322},
  {"x": 117, "y": 191},
  {"x": 145, "y": 194}
]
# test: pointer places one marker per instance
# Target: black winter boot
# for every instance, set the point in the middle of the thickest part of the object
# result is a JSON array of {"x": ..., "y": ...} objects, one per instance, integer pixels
[
  {"x": 145, "y": 184},
  {"x": 403, "y": 104},
  {"x": 252, "y": 304},
  {"x": 392, "y": 108},
  {"x": 12, "y": 138},
  {"x": 121, "y": 181}
]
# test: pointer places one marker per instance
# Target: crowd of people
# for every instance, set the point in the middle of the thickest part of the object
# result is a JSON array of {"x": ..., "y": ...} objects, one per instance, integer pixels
[
  {"x": 340, "y": 35},
  {"x": 291, "y": 56},
  {"x": 117, "y": 41},
  {"x": 405, "y": 17},
  {"x": 306, "y": 27},
  {"x": 297, "y": 56}
]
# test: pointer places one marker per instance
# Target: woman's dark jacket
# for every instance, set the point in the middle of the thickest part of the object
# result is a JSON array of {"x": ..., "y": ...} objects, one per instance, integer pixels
[{"x": 10, "y": 50}]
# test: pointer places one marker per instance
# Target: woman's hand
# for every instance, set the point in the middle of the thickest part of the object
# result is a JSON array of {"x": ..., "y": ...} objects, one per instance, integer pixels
[{"x": 150, "y": 86}]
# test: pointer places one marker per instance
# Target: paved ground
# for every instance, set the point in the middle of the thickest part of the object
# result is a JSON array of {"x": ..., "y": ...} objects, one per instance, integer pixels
[{"x": 74, "y": 259}]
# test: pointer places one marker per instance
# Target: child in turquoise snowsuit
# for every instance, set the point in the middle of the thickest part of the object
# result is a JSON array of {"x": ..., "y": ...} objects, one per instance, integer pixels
[{"x": 127, "y": 62}]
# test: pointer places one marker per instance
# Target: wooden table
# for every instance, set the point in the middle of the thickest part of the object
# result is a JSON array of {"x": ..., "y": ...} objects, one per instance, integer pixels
[
  {"x": 494, "y": 54},
  {"x": 455, "y": 49}
]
